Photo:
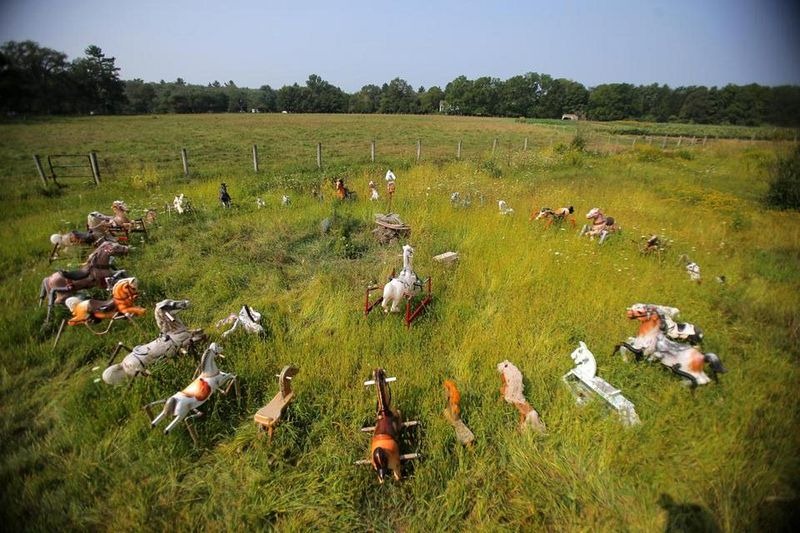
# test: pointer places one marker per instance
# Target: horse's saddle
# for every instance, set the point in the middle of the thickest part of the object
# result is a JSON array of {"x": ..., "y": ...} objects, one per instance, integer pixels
[
  {"x": 101, "y": 306},
  {"x": 609, "y": 221},
  {"x": 75, "y": 275}
]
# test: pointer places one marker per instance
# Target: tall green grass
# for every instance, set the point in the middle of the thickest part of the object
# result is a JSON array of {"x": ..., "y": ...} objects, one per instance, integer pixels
[{"x": 80, "y": 455}]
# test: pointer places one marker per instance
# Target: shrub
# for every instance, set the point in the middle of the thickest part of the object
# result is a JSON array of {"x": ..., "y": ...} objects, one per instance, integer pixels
[{"x": 784, "y": 191}]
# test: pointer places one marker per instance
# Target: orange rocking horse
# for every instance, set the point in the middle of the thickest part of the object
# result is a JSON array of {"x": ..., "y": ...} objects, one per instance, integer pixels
[
  {"x": 121, "y": 304},
  {"x": 555, "y": 215}
]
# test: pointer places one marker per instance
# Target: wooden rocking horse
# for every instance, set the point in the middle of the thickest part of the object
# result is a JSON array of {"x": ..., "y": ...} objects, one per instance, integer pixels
[
  {"x": 512, "y": 392},
  {"x": 175, "y": 338},
  {"x": 118, "y": 225},
  {"x": 268, "y": 416},
  {"x": 187, "y": 401},
  {"x": 453, "y": 414},
  {"x": 385, "y": 456}
]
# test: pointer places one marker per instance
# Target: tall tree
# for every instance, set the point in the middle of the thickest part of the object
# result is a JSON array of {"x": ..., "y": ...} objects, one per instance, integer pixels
[
  {"x": 96, "y": 78},
  {"x": 399, "y": 97},
  {"x": 33, "y": 79}
]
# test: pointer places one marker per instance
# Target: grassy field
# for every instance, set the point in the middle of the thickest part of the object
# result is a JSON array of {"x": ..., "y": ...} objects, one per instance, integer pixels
[{"x": 77, "y": 454}]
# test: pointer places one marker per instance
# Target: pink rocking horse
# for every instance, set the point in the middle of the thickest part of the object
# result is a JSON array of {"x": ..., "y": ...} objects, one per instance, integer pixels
[{"x": 601, "y": 225}]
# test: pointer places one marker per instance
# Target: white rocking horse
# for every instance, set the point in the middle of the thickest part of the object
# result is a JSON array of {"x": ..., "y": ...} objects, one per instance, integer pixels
[
  {"x": 406, "y": 284},
  {"x": 175, "y": 337},
  {"x": 184, "y": 402},
  {"x": 248, "y": 318}
]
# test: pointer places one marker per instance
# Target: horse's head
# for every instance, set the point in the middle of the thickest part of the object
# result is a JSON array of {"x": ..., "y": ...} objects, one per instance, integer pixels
[
  {"x": 408, "y": 250},
  {"x": 594, "y": 213},
  {"x": 581, "y": 355},
  {"x": 543, "y": 212},
  {"x": 250, "y": 313},
  {"x": 171, "y": 306},
  {"x": 380, "y": 462},
  {"x": 207, "y": 364},
  {"x": 125, "y": 291},
  {"x": 119, "y": 207}
]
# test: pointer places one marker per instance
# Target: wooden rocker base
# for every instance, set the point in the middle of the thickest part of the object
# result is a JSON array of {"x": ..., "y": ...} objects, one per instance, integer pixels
[{"x": 268, "y": 416}]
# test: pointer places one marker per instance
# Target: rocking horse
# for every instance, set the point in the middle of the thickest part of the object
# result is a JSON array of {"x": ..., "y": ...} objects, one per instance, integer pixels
[
  {"x": 117, "y": 225},
  {"x": 453, "y": 414},
  {"x": 512, "y": 392},
  {"x": 373, "y": 191},
  {"x": 385, "y": 455},
  {"x": 342, "y": 192},
  {"x": 187, "y": 401},
  {"x": 583, "y": 380},
  {"x": 62, "y": 241},
  {"x": 121, "y": 305},
  {"x": 652, "y": 342},
  {"x": 57, "y": 287},
  {"x": 645, "y": 340},
  {"x": 504, "y": 209},
  {"x": 175, "y": 337},
  {"x": 181, "y": 205},
  {"x": 224, "y": 197},
  {"x": 248, "y": 318},
  {"x": 557, "y": 216},
  {"x": 268, "y": 416},
  {"x": 601, "y": 225},
  {"x": 405, "y": 285}
]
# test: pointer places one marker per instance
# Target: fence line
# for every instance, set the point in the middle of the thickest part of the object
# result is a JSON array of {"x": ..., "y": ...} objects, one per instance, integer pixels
[{"x": 596, "y": 141}]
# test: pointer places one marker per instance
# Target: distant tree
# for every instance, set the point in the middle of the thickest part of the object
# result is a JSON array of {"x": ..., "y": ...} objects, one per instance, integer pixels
[
  {"x": 96, "y": 78},
  {"x": 366, "y": 100},
  {"x": 519, "y": 95},
  {"x": 33, "y": 79},
  {"x": 613, "y": 101},
  {"x": 141, "y": 96},
  {"x": 324, "y": 97},
  {"x": 456, "y": 94},
  {"x": 429, "y": 100},
  {"x": 399, "y": 97},
  {"x": 291, "y": 98},
  {"x": 699, "y": 106},
  {"x": 267, "y": 99}
]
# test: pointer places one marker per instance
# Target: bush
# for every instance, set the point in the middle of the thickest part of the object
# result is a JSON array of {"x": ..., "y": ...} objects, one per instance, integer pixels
[{"x": 784, "y": 191}]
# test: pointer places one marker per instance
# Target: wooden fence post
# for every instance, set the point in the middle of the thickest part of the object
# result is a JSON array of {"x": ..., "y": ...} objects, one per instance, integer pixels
[
  {"x": 419, "y": 149},
  {"x": 255, "y": 158},
  {"x": 635, "y": 138},
  {"x": 319, "y": 156},
  {"x": 95, "y": 167},
  {"x": 705, "y": 138},
  {"x": 494, "y": 146},
  {"x": 680, "y": 140},
  {"x": 458, "y": 151},
  {"x": 372, "y": 151},
  {"x": 525, "y": 146},
  {"x": 39, "y": 169},
  {"x": 664, "y": 142},
  {"x": 185, "y": 161}
]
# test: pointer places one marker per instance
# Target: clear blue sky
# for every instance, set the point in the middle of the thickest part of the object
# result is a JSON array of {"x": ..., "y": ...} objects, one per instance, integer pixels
[{"x": 353, "y": 43}]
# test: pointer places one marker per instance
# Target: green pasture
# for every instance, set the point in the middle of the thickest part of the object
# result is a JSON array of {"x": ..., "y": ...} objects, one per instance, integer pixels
[{"x": 80, "y": 455}]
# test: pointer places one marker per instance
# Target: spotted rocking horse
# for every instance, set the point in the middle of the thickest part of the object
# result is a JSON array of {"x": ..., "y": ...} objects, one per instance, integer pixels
[
  {"x": 601, "y": 225},
  {"x": 175, "y": 338},
  {"x": 653, "y": 341},
  {"x": 183, "y": 405},
  {"x": 557, "y": 216},
  {"x": 60, "y": 285},
  {"x": 116, "y": 225}
]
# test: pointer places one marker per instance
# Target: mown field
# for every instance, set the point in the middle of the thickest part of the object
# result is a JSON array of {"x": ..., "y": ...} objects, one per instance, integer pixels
[{"x": 80, "y": 455}]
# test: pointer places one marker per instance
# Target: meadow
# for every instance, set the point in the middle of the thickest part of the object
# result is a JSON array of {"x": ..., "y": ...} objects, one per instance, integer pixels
[{"x": 80, "y": 455}]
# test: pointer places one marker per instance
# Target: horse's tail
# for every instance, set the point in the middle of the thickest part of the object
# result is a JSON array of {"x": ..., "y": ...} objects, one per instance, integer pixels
[{"x": 714, "y": 361}]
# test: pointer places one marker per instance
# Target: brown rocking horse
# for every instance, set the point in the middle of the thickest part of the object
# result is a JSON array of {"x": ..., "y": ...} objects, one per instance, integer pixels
[
  {"x": 385, "y": 455},
  {"x": 58, "y": 286}
]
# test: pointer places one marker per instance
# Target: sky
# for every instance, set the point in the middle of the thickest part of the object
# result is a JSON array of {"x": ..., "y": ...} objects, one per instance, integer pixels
[{"x": 354, "y": 43}]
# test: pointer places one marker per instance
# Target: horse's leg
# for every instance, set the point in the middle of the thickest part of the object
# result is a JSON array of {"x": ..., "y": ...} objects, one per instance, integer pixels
[
  {"x": 584, "y": 229},
  {"x": 637, "y": 352},
  {"x": 182, "y": 409},
  {"x": 168, "y": 406},
  {"x": 42, "y": 291},
  {"x": 678, "y": 370},
  {"x": 603, "y": 235}
]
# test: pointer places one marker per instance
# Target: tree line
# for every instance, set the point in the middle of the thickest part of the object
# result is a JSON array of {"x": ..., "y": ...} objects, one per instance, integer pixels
[{"x": 38, "y": 80}]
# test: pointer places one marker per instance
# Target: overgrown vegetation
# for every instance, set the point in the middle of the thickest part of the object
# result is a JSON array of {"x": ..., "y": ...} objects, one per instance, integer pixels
[
  {"x": 78, "y": 455},
  {"x": 784, "y": 190}
]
